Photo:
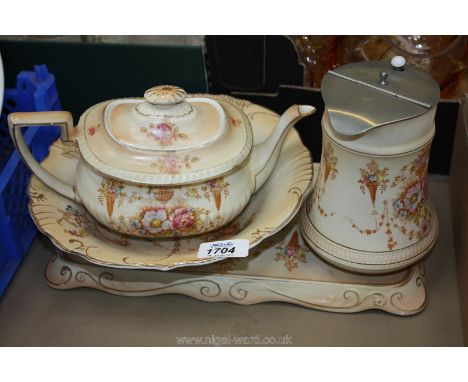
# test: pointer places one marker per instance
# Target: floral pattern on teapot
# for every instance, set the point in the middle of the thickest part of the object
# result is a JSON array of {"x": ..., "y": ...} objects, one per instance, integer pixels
[
  {"x": 161, "y": 219},
  {"x": 112, "y": 190},
  {"x": 236, "y": 122},
  {"x": 92, "y": 129},
  {"x": 164, "y": 133},
  {"x": 215, "y": 187},
  {"x": 173, "y": 163}
]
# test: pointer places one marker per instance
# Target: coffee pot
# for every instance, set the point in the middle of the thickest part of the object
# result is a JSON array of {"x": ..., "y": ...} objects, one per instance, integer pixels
[{"x": 369, "y": 210}]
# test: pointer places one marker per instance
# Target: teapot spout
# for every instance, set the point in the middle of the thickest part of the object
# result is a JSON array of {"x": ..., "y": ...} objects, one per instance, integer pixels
[{"x": 266, "y": 153}]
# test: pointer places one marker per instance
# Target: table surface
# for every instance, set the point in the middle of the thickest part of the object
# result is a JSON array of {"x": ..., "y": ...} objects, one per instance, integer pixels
[{"x": 33, "y": 314}]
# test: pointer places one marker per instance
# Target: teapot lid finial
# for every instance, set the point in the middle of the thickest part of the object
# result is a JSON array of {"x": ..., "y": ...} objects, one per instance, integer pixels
[
  {"x": 165, "y": 95},
  {"x": 165, "y": 101}
]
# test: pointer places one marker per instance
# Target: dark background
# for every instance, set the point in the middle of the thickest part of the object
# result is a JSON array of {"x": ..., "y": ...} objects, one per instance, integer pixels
[{"x": 262, "y": 69}]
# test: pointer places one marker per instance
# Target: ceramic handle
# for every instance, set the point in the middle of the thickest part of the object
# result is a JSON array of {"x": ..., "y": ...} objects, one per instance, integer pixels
[{"x": 16, "y": 121}]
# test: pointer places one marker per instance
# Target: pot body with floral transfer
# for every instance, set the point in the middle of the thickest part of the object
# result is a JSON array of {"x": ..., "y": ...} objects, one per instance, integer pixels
[
  {"x": 162, "y": 166},
  {"x": 158, "y": 212},
  {"x": 369, "y": 210}
]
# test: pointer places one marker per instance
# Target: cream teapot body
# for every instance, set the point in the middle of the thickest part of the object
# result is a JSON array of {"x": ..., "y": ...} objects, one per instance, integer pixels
[
  {"x": 163, "y": 211},
  {"x": 187, "y": 166}
]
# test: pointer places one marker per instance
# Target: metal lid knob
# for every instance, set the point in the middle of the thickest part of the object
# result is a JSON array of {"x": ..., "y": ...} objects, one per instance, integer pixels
[
  {"x": 383, "y": 78},
  {"x": 165, "y": 95}
]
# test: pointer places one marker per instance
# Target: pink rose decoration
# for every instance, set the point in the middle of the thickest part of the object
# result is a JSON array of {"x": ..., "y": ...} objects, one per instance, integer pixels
[
  {"x": 163, "y": 133},
  {"x": 214, "y": 183},
  {"x": 172, "y": 164},
  {"x": 182, "y": 219}
]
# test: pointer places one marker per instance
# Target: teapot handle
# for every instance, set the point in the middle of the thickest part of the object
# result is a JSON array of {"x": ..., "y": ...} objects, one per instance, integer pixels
[{"x": 16, "y": 121}]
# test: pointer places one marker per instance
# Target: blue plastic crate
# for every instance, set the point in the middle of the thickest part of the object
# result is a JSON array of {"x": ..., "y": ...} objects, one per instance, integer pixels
[{"x": 34, "y": 91}]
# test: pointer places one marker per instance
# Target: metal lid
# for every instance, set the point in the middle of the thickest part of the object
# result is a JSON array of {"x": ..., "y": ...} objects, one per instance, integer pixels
[{"x": 364, "y": 95}]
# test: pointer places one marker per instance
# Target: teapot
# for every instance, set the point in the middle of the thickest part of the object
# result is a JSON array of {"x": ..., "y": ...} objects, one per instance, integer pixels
[
  {"x": 369, "y": 209},
  {"x": 163, "y": 166}
]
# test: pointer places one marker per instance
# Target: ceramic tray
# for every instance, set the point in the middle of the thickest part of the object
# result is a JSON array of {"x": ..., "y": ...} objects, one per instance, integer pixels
[
  {"x": 281, "y": 268},
  {"x": 75, "y": 231}
]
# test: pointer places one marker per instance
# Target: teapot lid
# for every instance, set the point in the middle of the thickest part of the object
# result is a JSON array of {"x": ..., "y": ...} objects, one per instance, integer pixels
[
  {"x": 364, "y": 95},
  {"x": 166, "y": 138}
]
